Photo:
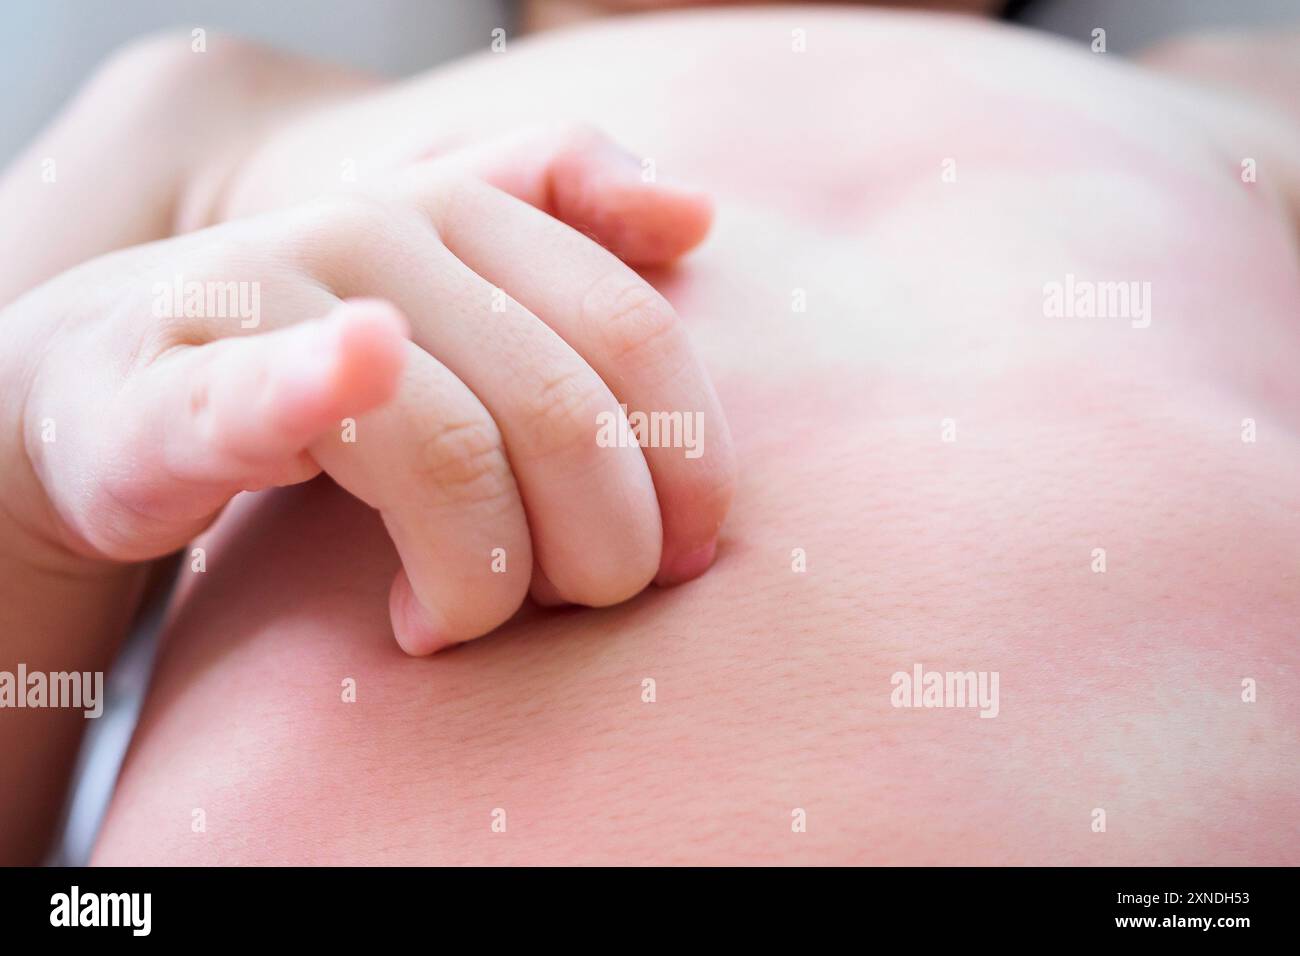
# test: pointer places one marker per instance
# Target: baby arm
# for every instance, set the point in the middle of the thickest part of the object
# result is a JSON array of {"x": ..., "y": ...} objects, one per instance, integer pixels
[
  {"x": 125, "y": 430},
  {"x": 142, "y": 147}
]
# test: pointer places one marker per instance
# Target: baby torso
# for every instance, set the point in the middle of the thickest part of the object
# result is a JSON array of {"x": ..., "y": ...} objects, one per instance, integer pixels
[{"x": 1006, "y": 344}]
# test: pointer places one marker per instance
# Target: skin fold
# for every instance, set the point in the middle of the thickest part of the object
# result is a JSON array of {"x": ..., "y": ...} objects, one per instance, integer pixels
[{"x": 922, "y": 301}]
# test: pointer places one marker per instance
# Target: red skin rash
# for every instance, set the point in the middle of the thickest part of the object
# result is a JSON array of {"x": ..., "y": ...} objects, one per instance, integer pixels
[{"x": 1120, "y": 691}]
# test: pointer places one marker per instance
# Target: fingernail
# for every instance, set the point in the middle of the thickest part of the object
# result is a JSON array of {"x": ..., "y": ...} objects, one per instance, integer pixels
[
  {"x": 417, "y": 629},
  {"x": 623, "y": 159},
  {"x": 688, "y": 566}
]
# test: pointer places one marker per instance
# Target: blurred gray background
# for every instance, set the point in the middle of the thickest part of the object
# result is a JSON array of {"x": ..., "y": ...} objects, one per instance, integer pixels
[{"x": 47, "y": 47}]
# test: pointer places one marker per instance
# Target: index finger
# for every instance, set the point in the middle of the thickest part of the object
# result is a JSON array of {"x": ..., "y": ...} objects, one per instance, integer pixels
[{"x": 631, "y": 337}]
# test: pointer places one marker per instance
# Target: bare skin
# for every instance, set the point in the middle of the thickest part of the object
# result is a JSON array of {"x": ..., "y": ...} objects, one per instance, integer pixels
[
  {"x": 125, "y": 427},
  {"x": 1120, "y": 691}
]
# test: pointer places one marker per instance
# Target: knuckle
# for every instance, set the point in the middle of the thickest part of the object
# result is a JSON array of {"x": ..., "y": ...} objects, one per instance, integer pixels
[
  {"x": 443, "y": 193},
  {"x": 562, "y": 416},
  {"x": 343, "y": 214},
  {"x": 465, "y": 462},
  {"x": 343, "y": 238},
  {"x": 633, "y": 322}
]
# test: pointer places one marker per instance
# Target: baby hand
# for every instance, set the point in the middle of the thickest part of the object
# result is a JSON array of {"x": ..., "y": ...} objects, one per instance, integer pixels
[{"x": 151, "y": 385}]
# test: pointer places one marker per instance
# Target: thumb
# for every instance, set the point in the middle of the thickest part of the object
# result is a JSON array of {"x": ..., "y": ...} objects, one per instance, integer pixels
[{"x": 209, "y": 421}]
